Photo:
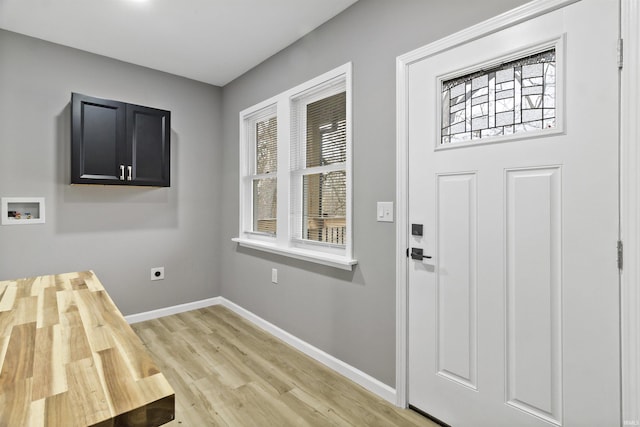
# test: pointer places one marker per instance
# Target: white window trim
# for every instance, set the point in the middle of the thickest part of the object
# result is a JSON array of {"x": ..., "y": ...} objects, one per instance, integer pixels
[{"x": 282, "y": 244}]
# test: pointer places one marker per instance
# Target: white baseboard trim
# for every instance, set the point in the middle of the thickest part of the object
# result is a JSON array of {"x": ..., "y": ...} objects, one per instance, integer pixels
[
  {"x": 168, "y": 311},
  {"x": 368, "y": 382}
]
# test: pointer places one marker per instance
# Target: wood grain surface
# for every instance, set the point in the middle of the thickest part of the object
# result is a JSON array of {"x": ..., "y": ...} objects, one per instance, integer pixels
[
  {"x": 68, "y": 358},
  {"x": 227, "y": 372}
]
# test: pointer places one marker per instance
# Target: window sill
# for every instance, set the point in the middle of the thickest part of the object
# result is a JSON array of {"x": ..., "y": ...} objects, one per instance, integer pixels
[{"x": 335, "y": 261}]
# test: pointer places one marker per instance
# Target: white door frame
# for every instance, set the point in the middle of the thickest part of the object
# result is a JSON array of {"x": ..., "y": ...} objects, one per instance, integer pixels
[
  {"x": 629, "y": 188},
  {"x": 630, "y": 212}
]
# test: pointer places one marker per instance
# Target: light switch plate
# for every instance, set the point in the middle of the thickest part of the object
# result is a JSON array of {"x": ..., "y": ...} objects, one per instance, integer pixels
[{"x": 384, "y": 212}]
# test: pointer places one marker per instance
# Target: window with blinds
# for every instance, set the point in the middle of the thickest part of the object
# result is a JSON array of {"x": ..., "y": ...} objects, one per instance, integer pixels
[
  {"x": 265, "y": 183},
  {"x": 320, "y": 152},
  {"x": 295, "y": 171}
]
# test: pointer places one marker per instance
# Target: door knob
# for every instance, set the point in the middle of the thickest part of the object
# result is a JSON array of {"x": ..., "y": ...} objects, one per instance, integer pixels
[{"x": 418, "y": 253}]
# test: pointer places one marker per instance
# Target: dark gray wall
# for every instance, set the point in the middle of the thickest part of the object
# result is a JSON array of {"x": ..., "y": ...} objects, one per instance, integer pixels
[
  {"x": 349, "y": 315},
  {"x": 119, "y": 232}
]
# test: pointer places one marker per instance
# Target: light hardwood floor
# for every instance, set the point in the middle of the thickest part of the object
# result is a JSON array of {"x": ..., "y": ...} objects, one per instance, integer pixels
[{"x": 227, "y": 372}]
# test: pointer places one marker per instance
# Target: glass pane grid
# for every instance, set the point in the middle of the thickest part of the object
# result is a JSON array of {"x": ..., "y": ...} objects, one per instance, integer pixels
[
  {"x": 324, "y": 207},
  {"x": 267, "y": 146},
  {"x": 265, "y": 200},
  {"x": 518, "y": 96},
  {"x": 322, "y": 215},
  {"x": 326, "y": 132}
]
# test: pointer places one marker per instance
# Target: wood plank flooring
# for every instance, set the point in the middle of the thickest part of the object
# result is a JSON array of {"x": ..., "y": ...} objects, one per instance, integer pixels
[{"x": 227, "y": 372}]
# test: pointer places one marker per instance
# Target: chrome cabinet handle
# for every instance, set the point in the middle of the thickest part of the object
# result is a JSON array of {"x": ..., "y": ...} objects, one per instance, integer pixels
[
  {"x": 129, "y": 171},
  {"x": 121, "y": 172}
]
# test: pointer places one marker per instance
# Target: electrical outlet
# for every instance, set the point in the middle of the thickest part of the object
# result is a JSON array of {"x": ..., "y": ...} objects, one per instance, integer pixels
[
  {"x": 157, "y": 273},
  {"x": 274, "y": 275}
]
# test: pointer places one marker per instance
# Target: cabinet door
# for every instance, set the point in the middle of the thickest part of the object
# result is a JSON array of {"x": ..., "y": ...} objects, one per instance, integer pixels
[
  {"x": 97, "y": 140},
  {"x": 148, "y": 133}
]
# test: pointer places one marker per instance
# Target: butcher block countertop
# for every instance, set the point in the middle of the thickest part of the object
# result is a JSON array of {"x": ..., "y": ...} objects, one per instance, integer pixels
[{"x": 68, "y": 358}]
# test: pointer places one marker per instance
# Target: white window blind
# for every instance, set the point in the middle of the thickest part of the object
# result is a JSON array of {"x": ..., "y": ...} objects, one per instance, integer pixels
[
  {"x": 319, "y": 170},
  {"x": 264, "y": 186}
]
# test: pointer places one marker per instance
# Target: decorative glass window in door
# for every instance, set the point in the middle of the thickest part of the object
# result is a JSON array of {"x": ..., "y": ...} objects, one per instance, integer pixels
[{"x": 514, "y": 97}]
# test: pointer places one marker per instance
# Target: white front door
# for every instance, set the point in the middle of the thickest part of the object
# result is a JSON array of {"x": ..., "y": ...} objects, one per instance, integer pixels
[{"x": 514, "y": 320}]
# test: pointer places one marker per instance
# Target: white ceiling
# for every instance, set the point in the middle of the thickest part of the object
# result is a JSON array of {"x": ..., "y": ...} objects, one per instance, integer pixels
[{"x": 213, "y": 41}]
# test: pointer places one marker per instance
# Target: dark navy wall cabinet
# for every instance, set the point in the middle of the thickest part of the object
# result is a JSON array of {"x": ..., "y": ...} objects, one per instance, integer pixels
[{"x": 117, "y": 143}]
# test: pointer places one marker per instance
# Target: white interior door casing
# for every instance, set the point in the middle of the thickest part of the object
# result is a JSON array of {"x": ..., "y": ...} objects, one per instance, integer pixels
[
  {"x": 515, "y": 319},
  {"x": 630, "y": 211}
]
